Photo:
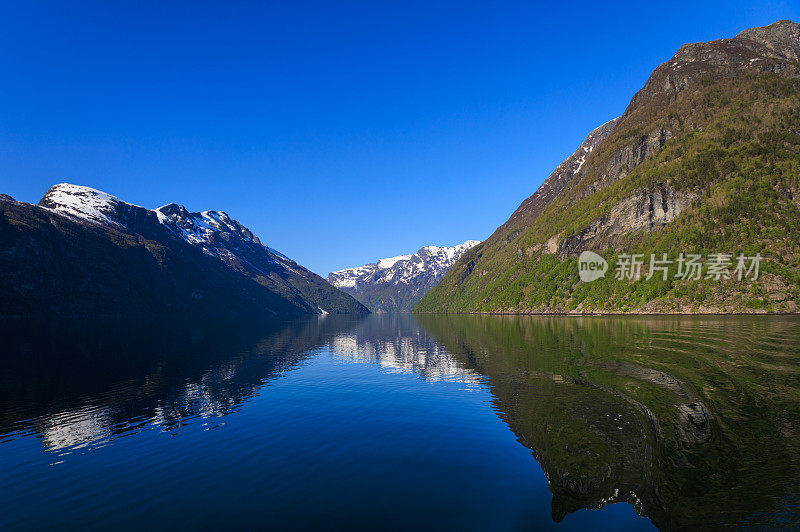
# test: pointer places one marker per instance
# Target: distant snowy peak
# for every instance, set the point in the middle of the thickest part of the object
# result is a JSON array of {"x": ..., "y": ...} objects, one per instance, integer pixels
[
  {"x": 81, "y": 202},
  {"x": 407, "y": 277},
  {"x": 428, "y": 257},
  {"x": 444, "y": 254}
]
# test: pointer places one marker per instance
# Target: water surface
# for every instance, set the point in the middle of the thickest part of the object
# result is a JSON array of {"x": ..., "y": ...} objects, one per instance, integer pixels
[{"x": 455, "y": 422}]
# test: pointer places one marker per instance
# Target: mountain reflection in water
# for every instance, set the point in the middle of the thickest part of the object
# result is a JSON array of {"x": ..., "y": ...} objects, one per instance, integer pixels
[
  {"x": 693, "y": 421},
  {"x": 85, "y": 383}
]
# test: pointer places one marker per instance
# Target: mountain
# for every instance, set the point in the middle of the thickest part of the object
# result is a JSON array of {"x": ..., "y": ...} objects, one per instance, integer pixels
[
  {"x": 398, "y": 283},
  {"x": 85, "y": 252},
  {"x": 704, "y": 161}
]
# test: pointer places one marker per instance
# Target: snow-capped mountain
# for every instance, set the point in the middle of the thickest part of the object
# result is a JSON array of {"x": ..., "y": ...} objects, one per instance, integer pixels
[
  {"x": 219, "y": 235},
  {"x": 83, "y": 203},
  {"x": 396, "y": 284},
  {"x": 214, "y": 233}
]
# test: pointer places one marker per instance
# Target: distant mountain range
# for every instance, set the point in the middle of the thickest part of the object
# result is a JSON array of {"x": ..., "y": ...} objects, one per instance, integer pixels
[
  {"x": 705, "y": 160},
  {"x": 84, "y": 252},
  {"x": 398, "y": 283}
]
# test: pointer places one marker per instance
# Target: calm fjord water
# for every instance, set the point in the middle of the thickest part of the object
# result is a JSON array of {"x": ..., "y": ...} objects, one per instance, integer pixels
[{"x": 392, "y": 422}]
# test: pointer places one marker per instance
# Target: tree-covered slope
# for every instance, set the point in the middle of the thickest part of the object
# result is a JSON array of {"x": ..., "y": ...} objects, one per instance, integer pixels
[{"x": 705, "y": 160}]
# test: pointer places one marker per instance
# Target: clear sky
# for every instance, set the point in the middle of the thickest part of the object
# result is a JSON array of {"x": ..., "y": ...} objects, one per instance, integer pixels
[{"x": 339, "y": 132}]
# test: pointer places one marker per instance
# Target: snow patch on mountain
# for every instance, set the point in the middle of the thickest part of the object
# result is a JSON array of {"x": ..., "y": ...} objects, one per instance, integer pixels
[
  {"x": 564, "y": 173},
  {"x": 384, "y": 264},
  {"x": 81, "y": 202},
  {"x": 212, "y": 231}
]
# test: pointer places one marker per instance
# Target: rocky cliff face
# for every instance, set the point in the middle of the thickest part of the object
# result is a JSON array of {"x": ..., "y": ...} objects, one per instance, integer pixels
[
  {"x": 647, "y": 210},
  {"x": 398, "y": 283},
  {"x": 696, "y": 163},
  {"x": 84, "y": 252}
]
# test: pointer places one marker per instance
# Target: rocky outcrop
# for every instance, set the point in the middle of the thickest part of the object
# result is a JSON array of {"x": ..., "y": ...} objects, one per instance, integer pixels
[
  {"x": 626, "y": 159},
  {"x": 781, "y": 37},
  {"x": 648, "y": 210},
  {"x": 795, "y": 195},
  {"x": 772, "y": 48}
]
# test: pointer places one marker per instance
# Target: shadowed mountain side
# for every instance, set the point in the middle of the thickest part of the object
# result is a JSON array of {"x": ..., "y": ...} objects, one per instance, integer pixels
[{"x": 60, "y": 265}]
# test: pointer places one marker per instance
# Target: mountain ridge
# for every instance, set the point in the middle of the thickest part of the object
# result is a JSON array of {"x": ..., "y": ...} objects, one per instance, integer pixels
[
  {"x": 396, "y": 284},
  {"x": 705, "y": 155},
  {"x": 203, "y": 263}
]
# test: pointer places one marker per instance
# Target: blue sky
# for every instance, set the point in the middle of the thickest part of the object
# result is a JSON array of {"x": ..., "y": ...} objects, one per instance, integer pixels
[{"x": 339, "y": 132}]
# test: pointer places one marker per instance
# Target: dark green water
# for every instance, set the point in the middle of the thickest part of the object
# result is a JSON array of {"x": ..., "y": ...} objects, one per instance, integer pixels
[{"x": 438, "y": 422}]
